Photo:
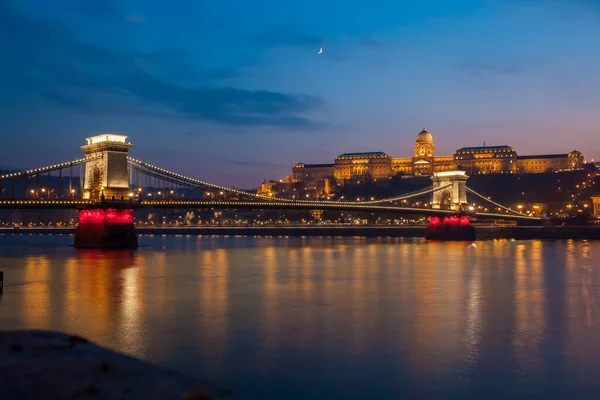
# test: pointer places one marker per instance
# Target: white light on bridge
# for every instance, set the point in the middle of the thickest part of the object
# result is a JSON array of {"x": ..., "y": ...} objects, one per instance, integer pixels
[{"x": 107, "y": 137}]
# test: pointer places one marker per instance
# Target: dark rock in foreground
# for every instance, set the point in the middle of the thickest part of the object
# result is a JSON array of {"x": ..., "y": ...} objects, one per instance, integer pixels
[{"x": 52, "y": 365}]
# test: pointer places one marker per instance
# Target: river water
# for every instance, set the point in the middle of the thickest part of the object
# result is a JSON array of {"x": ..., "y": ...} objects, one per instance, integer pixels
[{"x": 327, "y": 318}]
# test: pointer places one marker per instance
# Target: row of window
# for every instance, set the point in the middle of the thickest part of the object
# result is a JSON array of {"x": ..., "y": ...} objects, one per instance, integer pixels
[
  {"x": 491, "y": 156},
  {"x": 486, "y": 150}
]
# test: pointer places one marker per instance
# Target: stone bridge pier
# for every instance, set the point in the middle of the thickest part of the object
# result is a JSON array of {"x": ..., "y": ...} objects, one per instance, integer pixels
[{"x": 452, "y": 197}]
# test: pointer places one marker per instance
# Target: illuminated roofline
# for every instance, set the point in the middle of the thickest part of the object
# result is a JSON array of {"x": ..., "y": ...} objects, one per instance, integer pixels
[{"x": 107, "y": 137}]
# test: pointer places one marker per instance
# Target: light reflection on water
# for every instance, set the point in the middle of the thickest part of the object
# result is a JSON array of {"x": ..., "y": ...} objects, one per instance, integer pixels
[{"x": 301, "y": 318}]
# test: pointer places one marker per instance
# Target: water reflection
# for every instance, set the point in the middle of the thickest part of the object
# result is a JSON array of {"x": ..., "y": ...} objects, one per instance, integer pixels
[
  {"x": 323, "y": 317},
  {"x": 36, "y": 303}
]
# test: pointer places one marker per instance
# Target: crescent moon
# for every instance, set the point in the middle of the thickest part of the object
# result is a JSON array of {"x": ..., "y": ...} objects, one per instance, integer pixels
[{"x": 320, "y": 50}]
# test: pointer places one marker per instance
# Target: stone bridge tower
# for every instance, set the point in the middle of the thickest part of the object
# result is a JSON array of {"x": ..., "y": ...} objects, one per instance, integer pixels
[
  {"x": 107, "y": 175},
  {"x": 452, "y": 197}
]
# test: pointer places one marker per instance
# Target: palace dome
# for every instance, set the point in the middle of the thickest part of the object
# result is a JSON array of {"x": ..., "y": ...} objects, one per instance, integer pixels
[{"x": 424, "y": 137}]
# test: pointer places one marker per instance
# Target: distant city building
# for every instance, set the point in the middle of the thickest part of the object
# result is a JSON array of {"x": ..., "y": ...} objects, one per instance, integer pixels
[
  {"x": 596, "y": 202},
  {"x": 424, "y": 162}
]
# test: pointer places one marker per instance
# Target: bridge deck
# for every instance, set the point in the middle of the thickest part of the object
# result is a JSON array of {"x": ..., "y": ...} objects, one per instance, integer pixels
[{"x": 258, "y": 205}]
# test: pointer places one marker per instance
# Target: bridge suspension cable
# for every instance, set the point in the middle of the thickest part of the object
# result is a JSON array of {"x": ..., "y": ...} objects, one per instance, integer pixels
[
  {"x": 494, "y": 203},
  {"x": 182, "y": 179},
  {"x": 164, "y": 177},
  {"x": 195, "y": 182},
  {"x": 49, "y": 168},
  {"x": 405, "y": 196}
]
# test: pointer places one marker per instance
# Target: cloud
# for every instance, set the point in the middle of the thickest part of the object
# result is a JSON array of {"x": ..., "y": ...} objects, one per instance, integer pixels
[{"x": 42, "y": 59}]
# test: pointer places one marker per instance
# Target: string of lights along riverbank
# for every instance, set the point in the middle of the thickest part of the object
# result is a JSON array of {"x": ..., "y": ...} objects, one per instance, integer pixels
[{"x": 497, "y": 159}]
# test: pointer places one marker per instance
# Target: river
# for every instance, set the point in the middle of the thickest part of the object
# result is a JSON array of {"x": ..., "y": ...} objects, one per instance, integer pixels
[{"x": 327, "y": 318}]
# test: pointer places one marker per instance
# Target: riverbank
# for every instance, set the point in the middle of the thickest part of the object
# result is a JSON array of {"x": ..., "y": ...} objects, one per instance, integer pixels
[
  {"x": 47, "y": 364},
  {"x": 483, "y": 232}
]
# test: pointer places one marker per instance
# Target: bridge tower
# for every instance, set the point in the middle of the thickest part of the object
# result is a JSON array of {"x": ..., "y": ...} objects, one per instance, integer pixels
[
  {"x": 106, "y": 175},
  {"x": 109, "y": 222},
  {"x": 454, "y": 194}
]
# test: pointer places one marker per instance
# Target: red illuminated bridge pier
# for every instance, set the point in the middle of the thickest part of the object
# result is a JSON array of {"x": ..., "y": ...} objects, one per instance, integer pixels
[
  {"x": 106, "y": 227},
  {"x": 453, "y": 228}
]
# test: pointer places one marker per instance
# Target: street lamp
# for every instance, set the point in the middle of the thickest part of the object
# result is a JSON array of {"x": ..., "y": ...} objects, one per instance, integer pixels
[{"x": 32, "y": 193}]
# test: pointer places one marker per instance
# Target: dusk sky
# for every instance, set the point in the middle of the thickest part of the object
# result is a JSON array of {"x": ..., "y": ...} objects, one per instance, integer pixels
[{"x": 234, "y": 92}]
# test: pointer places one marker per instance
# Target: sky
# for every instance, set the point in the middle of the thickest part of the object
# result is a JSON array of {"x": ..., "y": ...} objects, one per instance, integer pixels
[{"x": 235, "y": 92}]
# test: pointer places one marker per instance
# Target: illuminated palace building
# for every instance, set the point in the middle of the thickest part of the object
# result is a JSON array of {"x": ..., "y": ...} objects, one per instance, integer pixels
[{"x": 424, "y": 162}]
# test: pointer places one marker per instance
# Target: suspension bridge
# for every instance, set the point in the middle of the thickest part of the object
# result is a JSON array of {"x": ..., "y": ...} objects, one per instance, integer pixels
[{"x": 107, "y": 178}]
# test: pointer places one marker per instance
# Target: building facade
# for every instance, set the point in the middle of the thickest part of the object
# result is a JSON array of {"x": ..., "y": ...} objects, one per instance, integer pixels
[
  {"x": 424, "y": 162},
  {"x": 596, "y": 203}
]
